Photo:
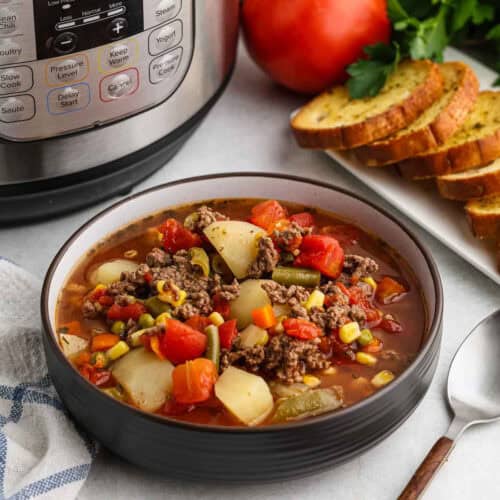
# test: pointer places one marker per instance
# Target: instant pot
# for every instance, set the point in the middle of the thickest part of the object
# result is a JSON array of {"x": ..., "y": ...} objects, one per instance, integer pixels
[{"x": 96, "y": 95}]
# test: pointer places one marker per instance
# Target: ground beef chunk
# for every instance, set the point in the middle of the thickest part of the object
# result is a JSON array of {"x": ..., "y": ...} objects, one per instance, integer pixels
[
  {"x": 267, "y": 258},
  {"x": 358, "y": 267},
  {"x": 357, "y": 314},
  {"x": 283, "y": 358},
  {"x": 280, "y": 294},
  {"x": 130, "y": 282},
  {"x": 124, "y": 299},
  {"x": 299, "y": 311},
  {"x": 226, "y": 291},
  {"x": 291, "y": 237},
  {"x": 91, "y": 310},
  {"x": 334, "y": 317},
  {"x": 203, "y": 218},
  {"x": 331, "y": 289},
  {"x": 158, "y": 258}
]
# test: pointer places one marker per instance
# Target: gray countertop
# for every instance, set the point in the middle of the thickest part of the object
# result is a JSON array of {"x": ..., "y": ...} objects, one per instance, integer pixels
[{"x": 248, "y": 130}]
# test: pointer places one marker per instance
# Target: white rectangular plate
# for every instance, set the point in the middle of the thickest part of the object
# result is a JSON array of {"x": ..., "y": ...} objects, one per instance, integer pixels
[{"x": 442, "y": 218}]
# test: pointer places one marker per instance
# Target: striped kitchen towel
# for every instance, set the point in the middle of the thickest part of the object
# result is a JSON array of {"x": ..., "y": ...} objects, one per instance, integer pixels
[{"x": 42, "y": 454}]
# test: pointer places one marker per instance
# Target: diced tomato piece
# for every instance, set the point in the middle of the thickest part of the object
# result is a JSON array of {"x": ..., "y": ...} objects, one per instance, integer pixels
[
  {"x": 227, "y": 333},
  {"x": 222, "y": 306},
  {"x": 181, "y": 342},
  {"x": 390, "y": 325},
  {"x": 100, "y": 377},
  {"x": 266, "y": 213},
  {"x": 124, "y": 313},
  {"x": 389, "y": 290},
  {"x": 301, "y": 328},
  {"x": 325, "y": 346},
  {"x": 341, "y": 353},
  {"x": 85, "y": 370},
  {"x": 106, "y": 300},
  {"x": 148, "y": 278},
  {"x": 373, "y": 315},
  {"x": 198, "y": 322},
  {"x": 176, "y": 237},
  {"x": 374, "y": 346},
  {"x": 193, "y": 381},
  {"x": 322, "y": 253},
  {"x": 303, "y": 219},
  {"x": 98, "y": 292}
]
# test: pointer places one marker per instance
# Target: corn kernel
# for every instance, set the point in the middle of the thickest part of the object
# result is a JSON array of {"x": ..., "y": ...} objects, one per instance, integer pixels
[
  {"x": 99, "y": 287},
  {"x": 216, "y": 318},
  {"x": 316, "y": 299},
  {"x": 382, "y": 378},
  {"x": 311, "y": 380},
  {"x": 331, "y": 370},
  {"x": 370, "y": 281},
  {"x": 160, "y": 319},
  {"x": 118, "y": 350},
  {"x": 169, "y": 296},
  {"x": 135, "y": 338},
  {"x": 349, "y": 332},
  {"x": 363, "y": 358}
]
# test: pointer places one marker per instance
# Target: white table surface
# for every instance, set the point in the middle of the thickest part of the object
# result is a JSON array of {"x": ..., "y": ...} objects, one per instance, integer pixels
[{"x": 248, "y": 130}]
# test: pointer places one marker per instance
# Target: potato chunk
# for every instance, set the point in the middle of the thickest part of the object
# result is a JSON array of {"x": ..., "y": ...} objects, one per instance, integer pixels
[
  {"x": 236, "y": 242},
  {"x": 251, "y": 297},
  {"x": 111, "y": 271}
]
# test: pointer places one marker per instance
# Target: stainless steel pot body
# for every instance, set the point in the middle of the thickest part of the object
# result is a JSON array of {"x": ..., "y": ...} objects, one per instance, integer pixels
[{"x": 57, "y": 142}]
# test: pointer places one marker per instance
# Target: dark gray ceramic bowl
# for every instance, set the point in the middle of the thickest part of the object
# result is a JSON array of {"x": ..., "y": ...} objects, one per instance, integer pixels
[{"x": 237, "y": 455}]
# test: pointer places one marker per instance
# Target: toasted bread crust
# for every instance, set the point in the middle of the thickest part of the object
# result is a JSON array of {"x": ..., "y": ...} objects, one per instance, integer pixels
[
  {"x": 468, "y": 187},
  {"x": 448, "y": 121},
  {"x": 484, "y": 226},
  {"x": 385, "y": 123},
  {"x": 465, "y": 156}
]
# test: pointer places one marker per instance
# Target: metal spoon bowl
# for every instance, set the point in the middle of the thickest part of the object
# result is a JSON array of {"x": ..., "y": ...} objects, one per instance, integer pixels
[{"x": 473, "y": 395}]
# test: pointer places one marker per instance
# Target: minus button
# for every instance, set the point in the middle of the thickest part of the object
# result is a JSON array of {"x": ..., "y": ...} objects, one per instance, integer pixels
[{"x": 63, "y": 26}]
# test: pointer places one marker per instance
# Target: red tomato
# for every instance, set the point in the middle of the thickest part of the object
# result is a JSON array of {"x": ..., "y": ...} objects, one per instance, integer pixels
[
  {"x": 176, "y": 237},
  {"x": 390, "y": 326},
  {"x": 227, "y": 333},
  {"x": 301, "y": 329},
  {"x": 268, "y": 212},
  {"x": 305, "y": 45},
  {"x": 198, "y": 322},
  {"x": 303, "y": 219},
  {"x": 124, "y": 313},
  {"x": 193, "y": 382},
  {"x": 322, "y": 253},
  {"x": 222, "y": 306},
  {"x": 181, "y": 342}
]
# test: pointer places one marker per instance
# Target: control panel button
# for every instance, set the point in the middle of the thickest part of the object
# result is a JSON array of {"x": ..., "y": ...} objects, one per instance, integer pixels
[
  {"x": 8, "y": 21},
  {"x": 65, "y": 43},
  {"x": 166, "y": 10},
  {"x": 17, "y": 79},
  {"x": 17, "y": 109},
  {"x": 10, "y": 51},
  {"x": 119, "y": 85},
  {"x": 164, "y": 67},
  {"x": 68, "y": 99},
  {"x": 165, "y": 37},
  {"x": 117, "y": 28},
  {"x": 67, "y": 70}
]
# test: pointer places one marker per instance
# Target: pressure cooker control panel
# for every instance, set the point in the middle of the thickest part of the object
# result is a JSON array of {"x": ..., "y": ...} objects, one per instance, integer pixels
[{"x": 69, "y": 65}]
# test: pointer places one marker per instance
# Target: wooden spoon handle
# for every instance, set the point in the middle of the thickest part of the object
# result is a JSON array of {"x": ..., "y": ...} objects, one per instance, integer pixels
[{"x": 434, "y": 459}]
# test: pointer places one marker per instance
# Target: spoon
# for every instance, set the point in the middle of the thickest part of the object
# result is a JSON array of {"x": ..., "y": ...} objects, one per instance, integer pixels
[{"x": 473, "y": 395}]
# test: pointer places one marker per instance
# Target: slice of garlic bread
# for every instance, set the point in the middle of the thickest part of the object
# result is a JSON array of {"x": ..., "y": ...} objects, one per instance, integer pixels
[
  {"x": 473, "y": 183},
  {"x": 484, "y": 216},
  {"x": 475, "y": 144},
  {"x": 436, "y": 124},
  {"x": 333, "y": 120}
]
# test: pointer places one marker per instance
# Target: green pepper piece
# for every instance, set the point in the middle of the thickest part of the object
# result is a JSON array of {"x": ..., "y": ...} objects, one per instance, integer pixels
[
  {"x": 198, "y": 257},
  {"x": 156, "y": 307},
  {"x": 296, "y": 276},
  {"x": 213, "y": 344},
  {"x": 308, "y": 404}
]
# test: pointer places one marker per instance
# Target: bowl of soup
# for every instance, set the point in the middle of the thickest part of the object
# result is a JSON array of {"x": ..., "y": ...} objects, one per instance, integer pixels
[{"x": 242, "y": 327}]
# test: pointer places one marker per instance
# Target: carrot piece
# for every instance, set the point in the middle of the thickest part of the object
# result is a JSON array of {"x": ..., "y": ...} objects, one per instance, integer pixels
[
  {"x": 81, "y": 358},
  {"x": 389, "y": 290},
  {"x": 71, "y": 328},
  {"x": 103, "y": 342},
  {"x": 264, "y": 317},
  {"x": 154, "y": 344},
  {"x": 193, "y": 381}
]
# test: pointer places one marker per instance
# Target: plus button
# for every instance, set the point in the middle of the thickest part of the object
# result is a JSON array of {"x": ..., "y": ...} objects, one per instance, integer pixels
[{"x": 117, "y": 28}]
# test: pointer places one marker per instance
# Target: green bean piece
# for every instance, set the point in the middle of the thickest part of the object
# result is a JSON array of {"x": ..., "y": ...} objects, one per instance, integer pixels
[
  {"x": 146, "y": 320},
  {"x": 296, "y": 276},
  {"x": 118, "y": 327},
  {"x": 213, "y": 344},
  {"x": 198, "y": 257},
  {"x": 307, "y": 404},
  {"x": 156, "y": 307}
]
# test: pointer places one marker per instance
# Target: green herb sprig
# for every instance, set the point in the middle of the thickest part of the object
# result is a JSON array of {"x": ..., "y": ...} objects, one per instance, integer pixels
[{"x": 422, "y": 29}]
